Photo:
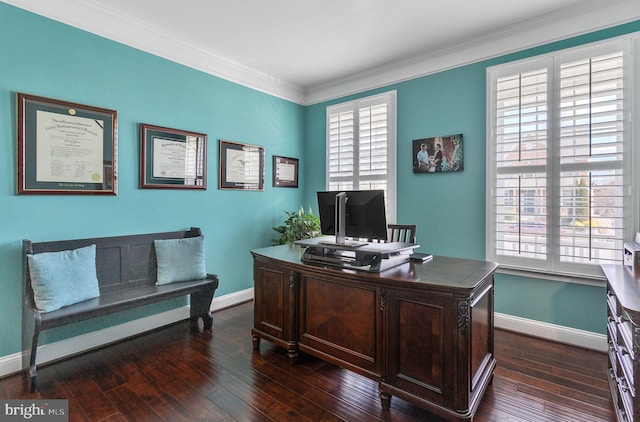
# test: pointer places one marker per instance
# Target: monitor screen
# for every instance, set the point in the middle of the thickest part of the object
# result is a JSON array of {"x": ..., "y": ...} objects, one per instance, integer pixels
[{"x": 365, "y": 216}]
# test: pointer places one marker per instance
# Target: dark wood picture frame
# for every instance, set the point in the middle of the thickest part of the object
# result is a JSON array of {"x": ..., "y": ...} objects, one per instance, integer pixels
[
  {"x": 285, "y": 172},
  {"x": 65, "y": 147},
  {"x": 172, "y": 158},
  {"x": 241, "y": 166}
]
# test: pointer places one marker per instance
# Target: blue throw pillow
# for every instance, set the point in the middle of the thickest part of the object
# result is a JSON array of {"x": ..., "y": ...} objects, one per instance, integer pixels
[
  {"x": 180, "y": 260},
  {"x": 63, "y": 278}
]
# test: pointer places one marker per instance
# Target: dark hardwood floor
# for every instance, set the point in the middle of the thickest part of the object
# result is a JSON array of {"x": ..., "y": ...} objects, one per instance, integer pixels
[{"x": 173, "y": 375}]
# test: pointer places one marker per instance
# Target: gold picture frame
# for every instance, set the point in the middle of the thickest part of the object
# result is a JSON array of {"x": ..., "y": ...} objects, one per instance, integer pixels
[{"x": 65, "y": 147}]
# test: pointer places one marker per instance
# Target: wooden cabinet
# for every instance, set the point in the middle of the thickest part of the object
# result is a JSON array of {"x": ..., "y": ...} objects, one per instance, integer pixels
[
  {"x": 275, "y": 289},
  {"x": 423, "y": 331},
  {"x": 439, "y": 347},
  {"x": 340, "y": 321},
  {"x": 623, "y": 335}
]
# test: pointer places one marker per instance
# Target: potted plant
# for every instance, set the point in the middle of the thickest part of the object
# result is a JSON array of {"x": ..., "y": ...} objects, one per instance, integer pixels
[{"x": 298, "y": 225}]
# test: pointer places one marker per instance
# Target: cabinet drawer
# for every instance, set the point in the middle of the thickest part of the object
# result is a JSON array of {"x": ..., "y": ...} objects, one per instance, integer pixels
[
  {"x": 612, "y": 303},
  {"x": 613, "y": 358},
  {"x": 612, "y": 329},
  {"x": 625, "y": 331},
  {"x": 627, "y": 369},
  {"x": 627, "y": 399}
]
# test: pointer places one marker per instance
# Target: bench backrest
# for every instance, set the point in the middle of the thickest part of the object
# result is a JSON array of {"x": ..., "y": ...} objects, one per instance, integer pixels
[{"x": 122, "y": 262}]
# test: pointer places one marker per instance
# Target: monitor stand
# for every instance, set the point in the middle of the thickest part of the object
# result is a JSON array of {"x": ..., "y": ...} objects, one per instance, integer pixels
[
  {"x": 345, "y": 242},
  {"x": 371, "y": 257}
]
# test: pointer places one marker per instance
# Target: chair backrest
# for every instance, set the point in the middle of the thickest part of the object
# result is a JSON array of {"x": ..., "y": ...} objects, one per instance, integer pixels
[
  {"x": 402, "y": 233},
  {"x": 122, "y": 262}
]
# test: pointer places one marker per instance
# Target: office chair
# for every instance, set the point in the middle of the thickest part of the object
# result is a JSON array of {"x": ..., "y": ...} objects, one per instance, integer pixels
[
  {"x": 399, "y": 233},
  {"x": 403, "y": 233}
]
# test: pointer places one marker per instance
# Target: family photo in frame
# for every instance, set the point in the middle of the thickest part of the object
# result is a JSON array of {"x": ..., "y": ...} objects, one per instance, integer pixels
[{"x": 439, "y": 154}]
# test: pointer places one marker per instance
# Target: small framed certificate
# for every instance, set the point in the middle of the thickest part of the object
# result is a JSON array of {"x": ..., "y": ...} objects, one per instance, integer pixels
[
  {"x": 285, "y": 172},
  {"x": 172, "y": 158},
  {"x": 65, "y": 148},
  {"x": 241, "y": 166}
]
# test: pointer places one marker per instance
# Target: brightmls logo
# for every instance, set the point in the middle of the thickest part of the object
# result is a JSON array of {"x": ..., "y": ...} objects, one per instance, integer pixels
[{"x": 34, "y": 410}]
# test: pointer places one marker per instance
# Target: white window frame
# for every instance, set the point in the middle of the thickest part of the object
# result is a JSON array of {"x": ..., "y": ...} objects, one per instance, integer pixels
[
  {"x": 551, "y": 268},
  {"x": 390, "y": 99}
]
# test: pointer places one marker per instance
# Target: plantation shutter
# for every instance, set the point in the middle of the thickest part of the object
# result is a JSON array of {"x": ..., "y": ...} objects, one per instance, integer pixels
[
  {"x": 558, "y": 160},
  {"x": 341, "y": 150},
  {"x": 373, "y": 148},
  {"x": 361, "y": 147},
  {"x": 591, "y": 155},
  {"x": 521, "y": 161}
]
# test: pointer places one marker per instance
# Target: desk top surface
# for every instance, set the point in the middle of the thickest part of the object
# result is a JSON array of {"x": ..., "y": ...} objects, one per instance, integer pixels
[{"x": 441, "y": 271}]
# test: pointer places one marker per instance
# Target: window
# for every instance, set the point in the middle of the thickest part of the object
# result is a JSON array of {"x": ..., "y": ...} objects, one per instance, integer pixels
[
  {"x": 361, "y": 147},
  {"x": 559, "y": 160}
]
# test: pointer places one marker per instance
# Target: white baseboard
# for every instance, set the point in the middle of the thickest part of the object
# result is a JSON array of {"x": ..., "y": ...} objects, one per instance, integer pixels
[
  {"x": 231, "y": 299},
  {"x": 11, "y": 364},
  {"x": 560, "y": 333}
]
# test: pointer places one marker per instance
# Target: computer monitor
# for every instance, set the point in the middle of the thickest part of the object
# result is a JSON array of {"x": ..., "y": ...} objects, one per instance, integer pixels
[{"x": 356, "y": 214}]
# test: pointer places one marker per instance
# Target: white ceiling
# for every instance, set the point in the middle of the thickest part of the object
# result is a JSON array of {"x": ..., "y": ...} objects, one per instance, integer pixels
[{"x": 309, "y": 51}]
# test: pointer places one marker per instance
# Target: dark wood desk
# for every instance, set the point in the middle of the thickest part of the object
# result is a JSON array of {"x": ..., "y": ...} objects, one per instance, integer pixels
[{"x": 424, "y": 331}]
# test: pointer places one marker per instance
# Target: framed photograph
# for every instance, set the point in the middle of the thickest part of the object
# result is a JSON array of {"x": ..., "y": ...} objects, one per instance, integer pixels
[
  {"x": 241, "y": 166},
  {"x": 65, "y": 148},
  {"x": 172, "y": 158},
  {"x": 285, "y": 172},
  {"x": 441, "y": 154}
]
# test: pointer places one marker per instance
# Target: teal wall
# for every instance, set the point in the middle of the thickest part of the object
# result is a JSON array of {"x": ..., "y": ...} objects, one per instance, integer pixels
[
  {"x": 42, "y": 57},
  {"x": 449, "y": 209}
]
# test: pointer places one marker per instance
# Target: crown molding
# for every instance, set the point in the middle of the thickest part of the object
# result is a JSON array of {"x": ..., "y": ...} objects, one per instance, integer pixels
[
  {"x": 544, "y": 30},
  {"x": 122, "y": 28},
  {"x": 94, "y": 17}
]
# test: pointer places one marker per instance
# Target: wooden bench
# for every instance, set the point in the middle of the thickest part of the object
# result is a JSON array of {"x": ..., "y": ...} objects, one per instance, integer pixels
[{"x": 126, "y": 269}]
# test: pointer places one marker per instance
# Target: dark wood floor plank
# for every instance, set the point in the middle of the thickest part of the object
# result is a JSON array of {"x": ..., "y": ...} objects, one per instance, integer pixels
[
  {"x": 552, "y": 352},
  {"x": 239, "y": 409},
  {"x": 276, "y": 386},
  {"x": 91, "y": 399},
  {"x": 118, "y": 417},
  {"x": 270, "y": 379},
  {"x": 329, "y": 393},
  {"x": 95, "y": 366},
  {"x": 131, "y": 406},
  {"x": 191, "y": 399},
  {"x": 550, "y": 391},
  {"x": 174, "y": 374},
  {"x": 52, "y": 386},
  {"x": 198, "y": 404},
  {"x": 575, "y": 381},
  {"x": 320, "y": 397}
]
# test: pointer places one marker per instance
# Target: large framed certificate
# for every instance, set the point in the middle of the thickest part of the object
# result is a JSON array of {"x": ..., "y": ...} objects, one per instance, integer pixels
[
  {"x": 241, "y": 166},
  {"x": 65, "y": 148},
  {"x": 172, "y": 158}
]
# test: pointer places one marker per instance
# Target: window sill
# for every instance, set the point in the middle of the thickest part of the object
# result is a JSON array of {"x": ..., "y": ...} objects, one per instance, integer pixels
[{"x": 595, "y": 280}]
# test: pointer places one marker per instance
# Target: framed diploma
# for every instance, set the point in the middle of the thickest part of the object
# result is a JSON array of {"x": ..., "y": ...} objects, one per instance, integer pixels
[
  {"x": 65, "y": 148},
  {"x": 285, "y": 172},
  {"x": 172, "y": 159},
  {"x": 241, "y": 166}
]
